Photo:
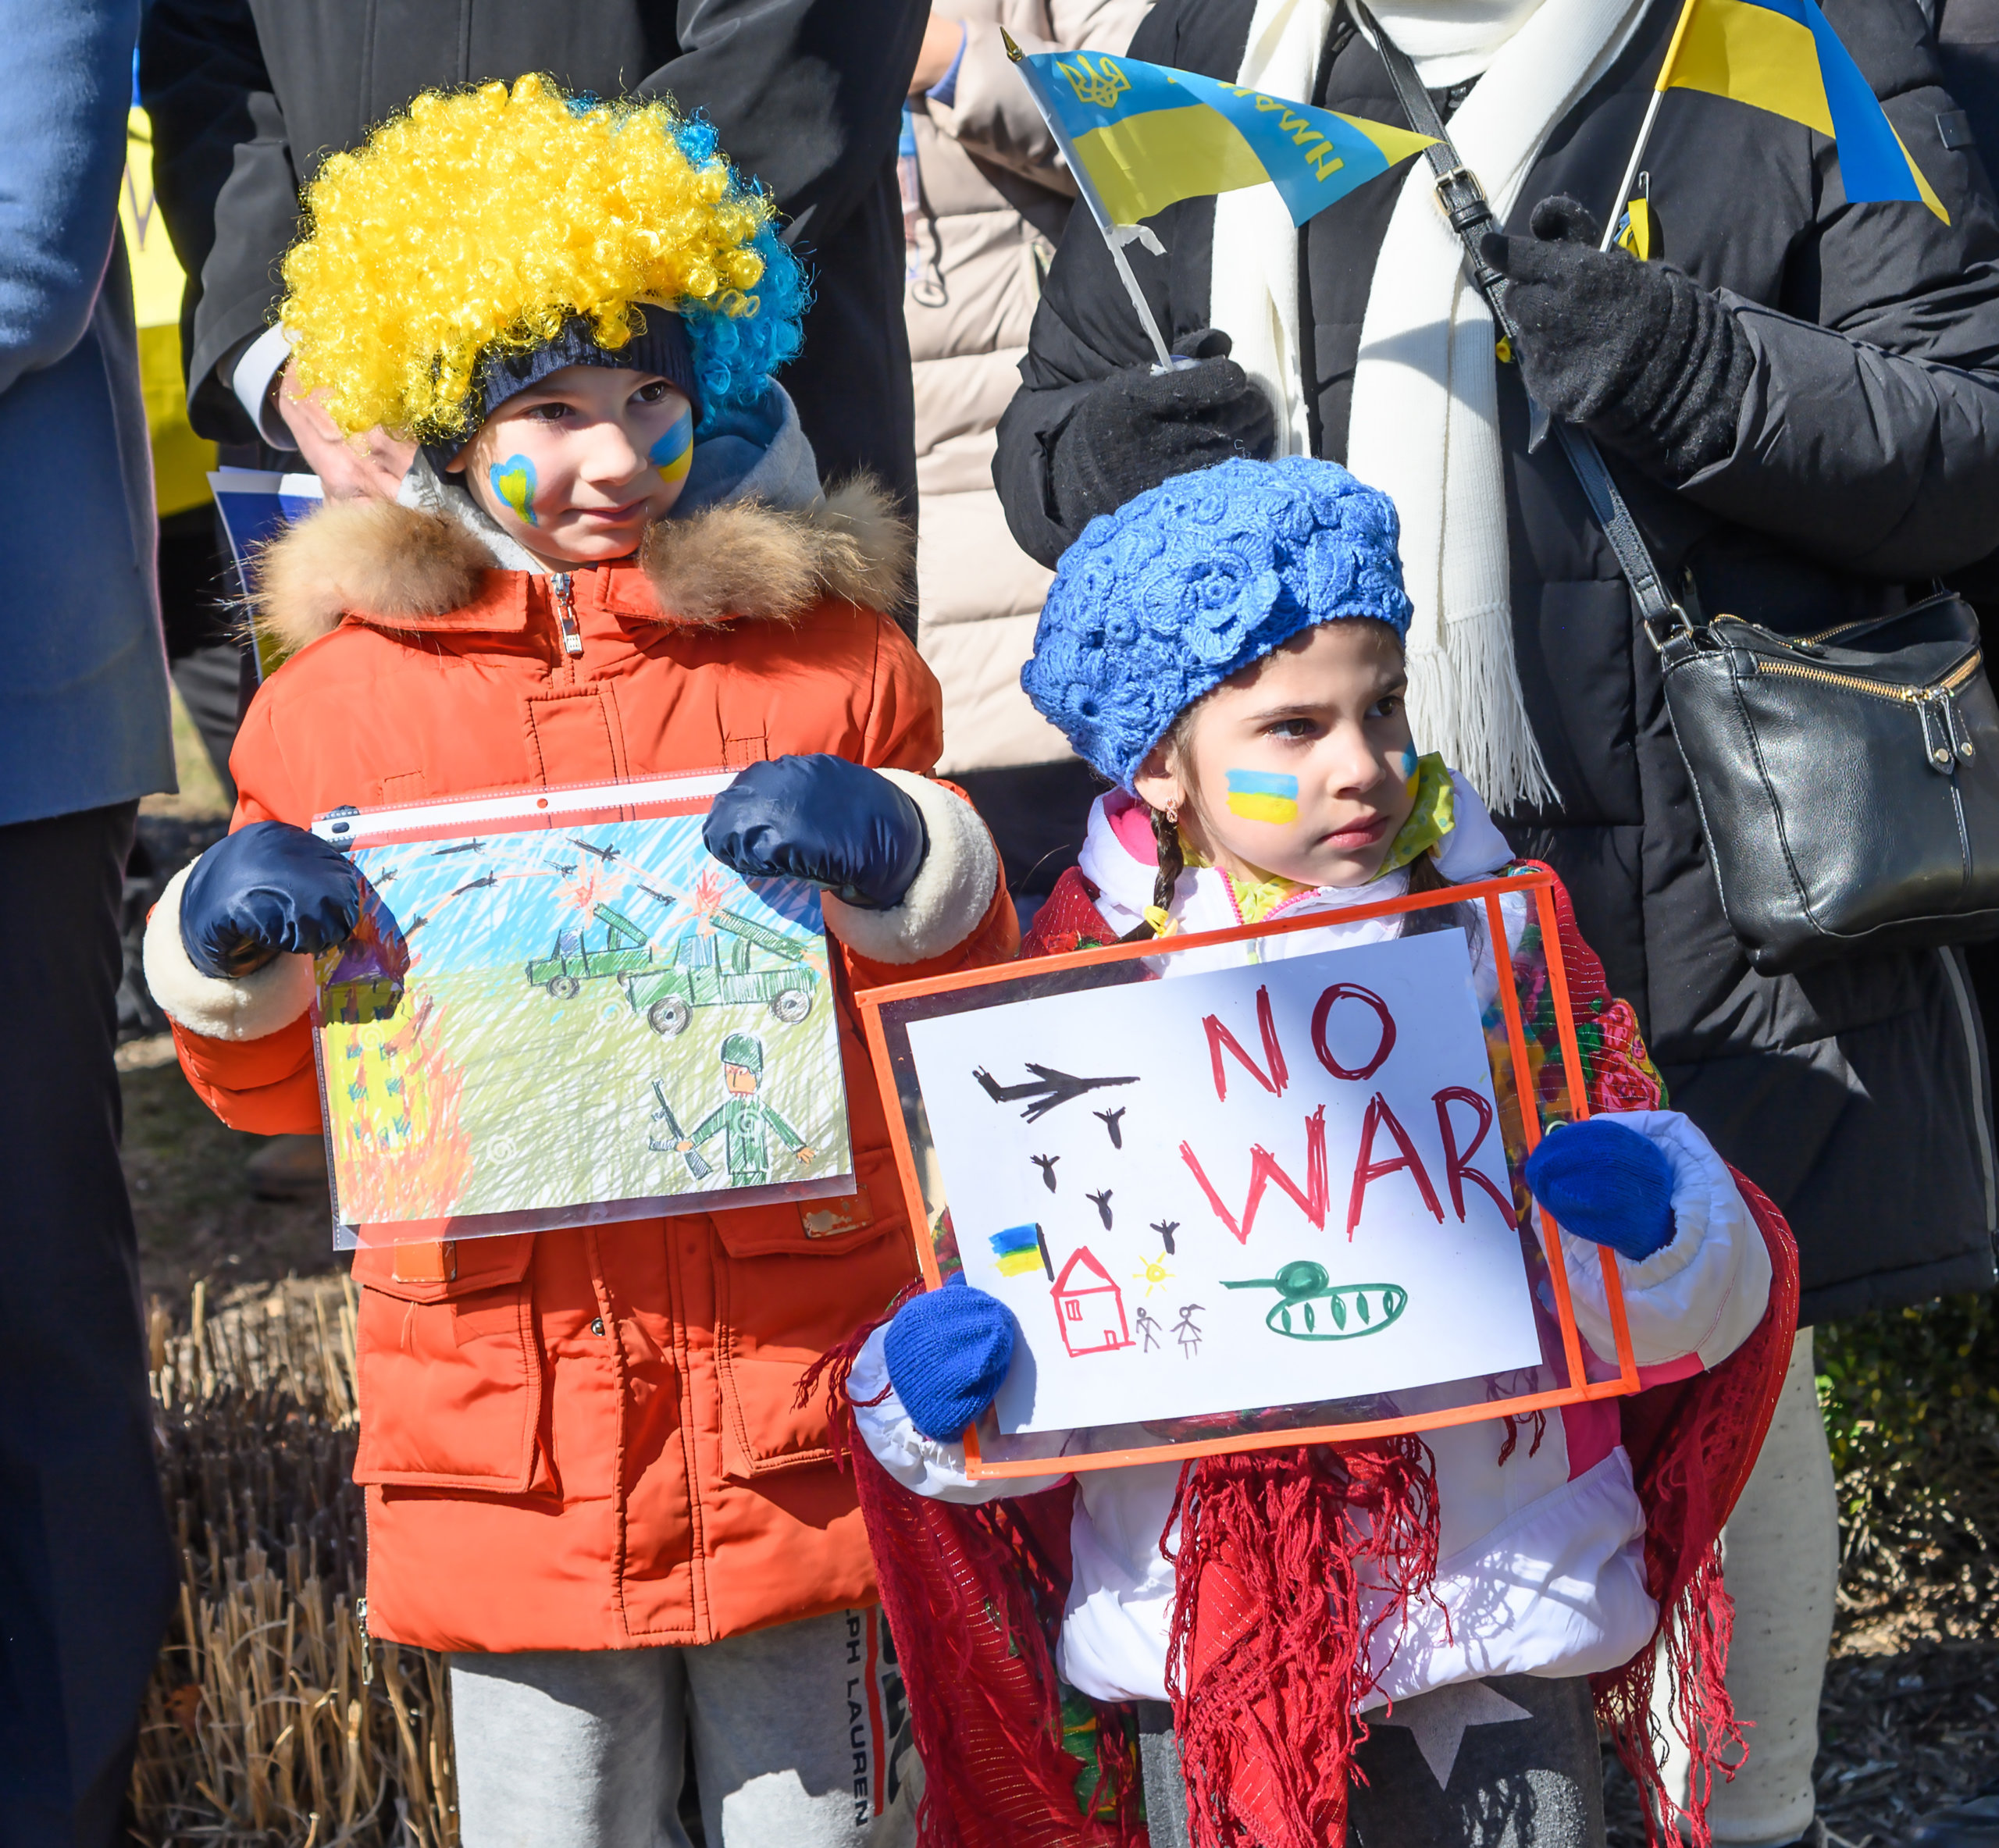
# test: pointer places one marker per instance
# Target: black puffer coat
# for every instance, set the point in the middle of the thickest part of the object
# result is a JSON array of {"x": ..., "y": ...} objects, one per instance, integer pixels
[
  {"x": 1856, "y": 1094},
  {"x": 248, "y": 97}
]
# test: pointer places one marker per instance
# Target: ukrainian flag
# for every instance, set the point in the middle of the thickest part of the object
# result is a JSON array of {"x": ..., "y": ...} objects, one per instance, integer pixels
[
  {"x": 1139, "y": 137},
  {"x": 1781, "y": 56}
]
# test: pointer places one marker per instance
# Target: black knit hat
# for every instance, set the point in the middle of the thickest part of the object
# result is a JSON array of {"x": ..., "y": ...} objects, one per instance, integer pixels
[{"x": 661, "y": 349}]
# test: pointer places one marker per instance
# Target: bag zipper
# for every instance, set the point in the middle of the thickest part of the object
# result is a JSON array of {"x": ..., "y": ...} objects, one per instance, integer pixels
[
  {"x": 1909, "y": 695},
  {"x": 1944, "y": 739}
]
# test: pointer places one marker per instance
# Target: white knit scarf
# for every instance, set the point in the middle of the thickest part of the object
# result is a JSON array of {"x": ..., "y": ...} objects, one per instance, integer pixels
[{"x": 1425, "y": 418}]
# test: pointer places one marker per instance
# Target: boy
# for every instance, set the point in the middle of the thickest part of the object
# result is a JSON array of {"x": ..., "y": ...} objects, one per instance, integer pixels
[{"x": 585, "y": 1476}]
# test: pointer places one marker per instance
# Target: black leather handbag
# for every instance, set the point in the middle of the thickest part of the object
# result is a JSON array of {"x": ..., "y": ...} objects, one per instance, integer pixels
[{"x": 1847, "y": 782}]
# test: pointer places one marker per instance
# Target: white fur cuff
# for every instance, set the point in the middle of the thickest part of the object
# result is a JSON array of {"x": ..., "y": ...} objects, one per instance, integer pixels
[
  {"x": 219, "y": 1007},
  {"x": 949, "y": 895}
]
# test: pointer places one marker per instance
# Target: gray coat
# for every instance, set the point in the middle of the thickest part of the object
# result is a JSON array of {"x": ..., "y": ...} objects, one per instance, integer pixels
[
  {"x": 1866, "y": 462},
  {"x": 84, "y": 716}
]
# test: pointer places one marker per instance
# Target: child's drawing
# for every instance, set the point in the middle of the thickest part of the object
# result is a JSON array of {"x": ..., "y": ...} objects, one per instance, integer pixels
[
  {"x": 1089, "y": 1307},
  {"x": 1313, "y": 1204},
  {"x": 538, "y": 1021}
]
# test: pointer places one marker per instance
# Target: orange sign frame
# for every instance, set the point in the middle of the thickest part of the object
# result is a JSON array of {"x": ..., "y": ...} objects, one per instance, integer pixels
[{"x": 1532, "y": 880}]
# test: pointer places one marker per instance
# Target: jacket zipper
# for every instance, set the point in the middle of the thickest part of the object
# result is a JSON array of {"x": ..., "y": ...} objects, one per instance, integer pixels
[{"x": 565, "y": 614}]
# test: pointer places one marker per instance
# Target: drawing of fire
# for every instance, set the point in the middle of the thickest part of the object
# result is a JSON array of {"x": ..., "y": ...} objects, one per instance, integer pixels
[
  {"x": 1091, "y": 1309},
  {"x": 400, "y": 1150}
]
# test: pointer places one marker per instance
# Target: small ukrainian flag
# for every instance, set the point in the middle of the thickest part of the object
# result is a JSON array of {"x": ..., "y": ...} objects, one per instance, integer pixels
[
  {"x": 1018, "y": 1250},
  {"x": 1140, "y": 137},
  {"x": 1782, "y": 56}
]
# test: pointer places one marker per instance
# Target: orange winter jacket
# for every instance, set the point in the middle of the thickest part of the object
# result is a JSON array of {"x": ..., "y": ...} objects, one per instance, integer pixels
[{"x": 586, "y": 1439}]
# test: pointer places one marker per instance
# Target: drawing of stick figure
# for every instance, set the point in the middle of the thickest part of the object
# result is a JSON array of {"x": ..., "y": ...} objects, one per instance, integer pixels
[
  {"x": 1149, "y": 1328},
  {"x": 1188, "y": 1331}
]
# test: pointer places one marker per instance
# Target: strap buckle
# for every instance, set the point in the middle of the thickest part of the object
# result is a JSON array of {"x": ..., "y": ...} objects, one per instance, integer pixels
[
  {"x": 1461, "y": 198},
  {"x": 1675, "y": 618}
]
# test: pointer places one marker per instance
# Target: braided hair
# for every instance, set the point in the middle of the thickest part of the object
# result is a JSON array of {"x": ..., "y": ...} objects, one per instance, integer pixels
[{"x": 1172, "y": 863}]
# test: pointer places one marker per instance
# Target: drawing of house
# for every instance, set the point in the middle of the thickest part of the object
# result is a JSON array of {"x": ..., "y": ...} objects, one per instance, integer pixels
[{"x": 1089, "y": 1306}]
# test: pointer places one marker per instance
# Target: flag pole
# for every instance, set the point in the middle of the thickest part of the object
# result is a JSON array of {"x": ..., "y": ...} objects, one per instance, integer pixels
[
  {"x": 1115, "y": 236},
  {"x": 1645, "y": 127}
]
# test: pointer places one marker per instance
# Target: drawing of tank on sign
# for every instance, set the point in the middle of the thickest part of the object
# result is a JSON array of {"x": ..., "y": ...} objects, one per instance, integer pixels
[
  {"x": 1089, "y": 1306},
  {"x": 1311, "y": 1306},
  {"x": 665, "y": 988}
]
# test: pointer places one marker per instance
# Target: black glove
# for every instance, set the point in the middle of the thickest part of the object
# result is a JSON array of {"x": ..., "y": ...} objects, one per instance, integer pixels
[
  {"x": 1139, "y": 428},
  {"x": 1637, "y": 353},
  {"x": 268, "y": 889},
  {"x": 845, "y": 828}
]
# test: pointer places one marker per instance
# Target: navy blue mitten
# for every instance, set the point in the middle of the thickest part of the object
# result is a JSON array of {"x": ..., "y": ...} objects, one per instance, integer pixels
[
  {"x": 1605, "y": 1182},
  {"x": 266, "y": 890},
  {"x": 948, "y": 1351},
  {"x": 842, "y": 826}
]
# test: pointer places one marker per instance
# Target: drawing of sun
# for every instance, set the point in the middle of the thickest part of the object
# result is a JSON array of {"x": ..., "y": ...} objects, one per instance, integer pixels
[{"x": 1153, "y": 1273}]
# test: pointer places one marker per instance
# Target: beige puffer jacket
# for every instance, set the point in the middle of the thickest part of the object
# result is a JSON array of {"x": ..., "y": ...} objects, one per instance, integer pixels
[{"x": 994, "y": 198}]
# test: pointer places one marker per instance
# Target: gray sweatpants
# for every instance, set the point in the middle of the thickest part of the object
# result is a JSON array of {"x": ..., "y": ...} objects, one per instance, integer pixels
[
  {"x": 1507, "y": 1763},
  {"x": 1781, "y": 1562},
  {"x": 800, "y": 1739}
]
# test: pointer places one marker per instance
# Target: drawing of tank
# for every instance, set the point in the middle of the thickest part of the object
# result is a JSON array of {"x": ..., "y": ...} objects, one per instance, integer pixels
[
  {"x": 1309, "y": 1289},
  {"x": 666, "y": 988}
]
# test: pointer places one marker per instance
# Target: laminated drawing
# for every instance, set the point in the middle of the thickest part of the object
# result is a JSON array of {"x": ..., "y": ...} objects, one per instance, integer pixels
[{"x": 541, "y": 1016}]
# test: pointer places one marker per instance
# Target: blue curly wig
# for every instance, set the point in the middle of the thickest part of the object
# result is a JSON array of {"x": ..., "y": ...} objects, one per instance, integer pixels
[
  {"x": 734, "y": 355},
  {"x": 1191, "y": 582}
]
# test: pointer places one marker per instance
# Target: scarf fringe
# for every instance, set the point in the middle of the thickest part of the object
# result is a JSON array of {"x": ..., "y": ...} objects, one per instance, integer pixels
[
  {"x": 1269, "y": 1659},
  {"x": 985, "y": 1701},
  {"x": 1466, "y": 704}
]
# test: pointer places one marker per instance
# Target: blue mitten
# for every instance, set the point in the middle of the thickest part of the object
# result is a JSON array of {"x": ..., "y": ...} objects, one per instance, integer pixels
[
  {"x": 948, "y": 1351},
  {"x": 1605, "y": 1183},
  {"x": 842, "y": 826},
  {"x": 266, "y": 890}
]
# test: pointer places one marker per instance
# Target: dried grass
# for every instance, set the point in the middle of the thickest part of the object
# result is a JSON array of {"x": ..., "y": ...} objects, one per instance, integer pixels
[{"x": 271, "y": 1723}]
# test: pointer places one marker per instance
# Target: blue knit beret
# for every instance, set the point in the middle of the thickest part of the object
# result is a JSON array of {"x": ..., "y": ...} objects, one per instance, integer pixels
[{"x": 1192, "y": 580}]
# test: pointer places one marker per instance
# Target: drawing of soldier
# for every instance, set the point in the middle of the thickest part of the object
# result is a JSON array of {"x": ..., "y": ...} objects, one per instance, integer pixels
[{"x": 744, "y": 1121}]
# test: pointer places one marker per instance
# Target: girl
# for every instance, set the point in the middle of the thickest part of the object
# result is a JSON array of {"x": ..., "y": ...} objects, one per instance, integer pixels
[{"x": 1227, "y": 648}]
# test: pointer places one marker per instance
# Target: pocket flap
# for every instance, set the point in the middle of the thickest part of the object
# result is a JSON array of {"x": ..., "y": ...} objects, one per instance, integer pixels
[{"x": 437, "y": 1271}]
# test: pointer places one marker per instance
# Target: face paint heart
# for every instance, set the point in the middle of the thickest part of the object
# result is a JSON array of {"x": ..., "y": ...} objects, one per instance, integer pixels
[
  {"x": 673, "y": 454},
  {"x": 514, "y": 482}
]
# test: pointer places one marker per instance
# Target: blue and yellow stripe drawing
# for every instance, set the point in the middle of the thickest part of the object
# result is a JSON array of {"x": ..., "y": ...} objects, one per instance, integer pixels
[
  {"x": 1782, "y": 56},
  {"x": 1141, "y": 136}
]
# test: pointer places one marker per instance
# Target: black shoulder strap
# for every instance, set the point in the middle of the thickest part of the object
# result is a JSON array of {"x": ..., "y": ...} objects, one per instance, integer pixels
[{"x": 1464, "y": 203}]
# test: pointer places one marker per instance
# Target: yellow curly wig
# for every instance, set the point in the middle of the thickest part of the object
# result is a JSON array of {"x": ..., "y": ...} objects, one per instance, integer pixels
[{"x": 483, "y": 221}]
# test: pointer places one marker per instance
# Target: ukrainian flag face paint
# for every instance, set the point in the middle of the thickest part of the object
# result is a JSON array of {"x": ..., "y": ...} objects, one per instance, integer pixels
[
  {"x": 1263, "y": 795},
  {"x": 514, "y": 484},
  {"x": 1408, "y": 764},
  {"x": 673, "y": 454}
]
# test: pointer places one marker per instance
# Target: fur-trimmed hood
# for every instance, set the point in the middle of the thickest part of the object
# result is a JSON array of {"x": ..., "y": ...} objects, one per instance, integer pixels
[{"x": 396, "y": 567}]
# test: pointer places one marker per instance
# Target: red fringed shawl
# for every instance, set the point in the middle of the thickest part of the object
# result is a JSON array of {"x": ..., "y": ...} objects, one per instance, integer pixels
[{"x": 1266, "y": 1690}]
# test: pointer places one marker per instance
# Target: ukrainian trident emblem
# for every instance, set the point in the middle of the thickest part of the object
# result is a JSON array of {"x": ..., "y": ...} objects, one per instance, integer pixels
[{"x": 1100, "y": 85}]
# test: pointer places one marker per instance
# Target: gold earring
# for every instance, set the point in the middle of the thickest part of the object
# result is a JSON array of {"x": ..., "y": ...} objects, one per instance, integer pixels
[{"x": 1172, "y": 814}]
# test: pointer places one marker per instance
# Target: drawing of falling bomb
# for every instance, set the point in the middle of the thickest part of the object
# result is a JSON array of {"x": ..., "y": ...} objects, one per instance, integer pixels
[
  {"x": 744, "y": 1121},
  {"x": 1307, "y": 1295}
]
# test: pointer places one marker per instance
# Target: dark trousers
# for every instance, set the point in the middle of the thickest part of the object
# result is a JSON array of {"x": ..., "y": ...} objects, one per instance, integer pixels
[
  {"x": 85, "y": 1570},
  {"x": 1459, "y": 1771}
]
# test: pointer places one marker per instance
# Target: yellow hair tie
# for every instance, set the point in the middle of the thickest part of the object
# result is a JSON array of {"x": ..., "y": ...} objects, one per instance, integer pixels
[{"x": 1155, "y": 916}]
